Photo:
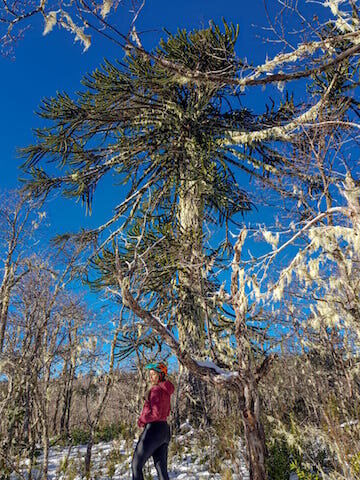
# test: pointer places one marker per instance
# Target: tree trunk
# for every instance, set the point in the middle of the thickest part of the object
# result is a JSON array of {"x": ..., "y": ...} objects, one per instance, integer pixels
[
  {"x": 191, "y": 324},
  {"x": 44, "y": 413},
  {"x": 56, "y": 411},
  {"x": 176, "y": 409},
  {"x": 45, "y": 445},
  {"x": 254, "y": 432},
  {"x": 67, "y": 395},
  {"x": 190, "y": 226},
  {"x": 67, "y": 385},
  {"x": 88, "y": 455},
  {"x": 249, "y": 373},
  {"x": 32, "y": 459},
  {"x": 5, "y": 302}
]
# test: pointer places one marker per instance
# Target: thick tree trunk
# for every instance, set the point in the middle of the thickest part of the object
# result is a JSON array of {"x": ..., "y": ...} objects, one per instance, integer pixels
[
  {"x": 191, "y": 324},
  {"x": 190, "y": 234}
]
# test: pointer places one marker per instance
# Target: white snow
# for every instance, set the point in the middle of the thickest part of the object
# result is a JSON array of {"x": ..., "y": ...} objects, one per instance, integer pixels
[
  {"x": 347, "y": 424},
  {"x": 190, "y": 464},
  {"x": 223, "y": 374}
]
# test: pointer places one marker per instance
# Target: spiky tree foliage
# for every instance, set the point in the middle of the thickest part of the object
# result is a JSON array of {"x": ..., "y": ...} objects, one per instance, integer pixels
[{"x": 163, "y": 138}]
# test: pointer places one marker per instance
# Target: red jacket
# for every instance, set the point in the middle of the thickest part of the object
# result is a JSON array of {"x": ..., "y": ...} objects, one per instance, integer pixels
[{"x": 157, "y": 407}]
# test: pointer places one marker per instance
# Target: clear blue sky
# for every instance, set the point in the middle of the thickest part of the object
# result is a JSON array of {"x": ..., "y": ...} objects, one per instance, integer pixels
[{"x": 45, "y": 65}]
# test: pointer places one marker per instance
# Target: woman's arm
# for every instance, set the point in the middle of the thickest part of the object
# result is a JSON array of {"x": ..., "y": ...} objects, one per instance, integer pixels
[{"x": 151, "y": 411}]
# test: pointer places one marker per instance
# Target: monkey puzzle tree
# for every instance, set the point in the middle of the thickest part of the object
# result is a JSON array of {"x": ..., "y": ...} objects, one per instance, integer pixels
[{"x": 163, "y": 138}]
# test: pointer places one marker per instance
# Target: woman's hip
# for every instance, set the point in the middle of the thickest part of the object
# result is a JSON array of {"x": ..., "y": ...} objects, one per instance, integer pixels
[{"x": 160, "y": 430}]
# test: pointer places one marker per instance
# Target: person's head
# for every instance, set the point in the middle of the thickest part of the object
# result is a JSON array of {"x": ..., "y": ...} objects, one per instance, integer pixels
[{"x": 157, "y": 372}]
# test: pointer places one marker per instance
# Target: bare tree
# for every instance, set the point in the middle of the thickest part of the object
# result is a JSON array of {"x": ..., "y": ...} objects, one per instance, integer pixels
[
  {"x": 20, "y": 218},
  {"x": 43, "y": 318}
]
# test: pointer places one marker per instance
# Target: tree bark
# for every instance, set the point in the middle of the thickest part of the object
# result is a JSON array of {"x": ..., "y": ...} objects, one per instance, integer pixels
[
  {"x": 190, "y": 235},
  {"x": 88, "y": 455},
  {"x": 191, "y": 307},
  {"x": 69, "y": 376},
  {"x": 46, "y": 447},
  {"x": 254, "y": 432},
  {"x": 5, "y": 300}
]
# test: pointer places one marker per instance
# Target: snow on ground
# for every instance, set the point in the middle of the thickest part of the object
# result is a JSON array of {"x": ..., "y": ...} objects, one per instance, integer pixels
[
  {"x": 188, "y": 467},
  {"x": 112, "y": 460}
]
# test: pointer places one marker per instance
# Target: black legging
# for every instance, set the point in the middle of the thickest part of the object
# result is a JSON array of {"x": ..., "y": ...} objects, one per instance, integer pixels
[{"x": 154, "y": 442}]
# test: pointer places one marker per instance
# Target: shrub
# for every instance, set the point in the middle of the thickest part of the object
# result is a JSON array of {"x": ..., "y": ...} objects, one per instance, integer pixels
[
  {"x": 303, "y": 473},
  {"x": 114, "y": 458},
  {"x": 355, "y": 464},
  {"x": 79, "y": 436},
  {"x": 68, "y": 468},
  {"x": 278, "y": 461},
  {"x": 108, "y": 432}
]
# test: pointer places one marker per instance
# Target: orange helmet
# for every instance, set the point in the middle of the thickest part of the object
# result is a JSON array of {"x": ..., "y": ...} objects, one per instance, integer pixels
[{"x": 158, "y": 367}]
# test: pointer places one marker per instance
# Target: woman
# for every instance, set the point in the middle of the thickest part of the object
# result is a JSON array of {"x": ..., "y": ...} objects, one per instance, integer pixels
[{"x": 155, "y": 437}]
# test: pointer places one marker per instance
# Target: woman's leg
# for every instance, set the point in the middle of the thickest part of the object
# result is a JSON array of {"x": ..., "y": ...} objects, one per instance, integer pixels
[
  {"x": 160, "y": 455},
  {"x": 160, "y": 459},
  {"x": 142, "y": 453},
  {"x": 153, "y": 436}
]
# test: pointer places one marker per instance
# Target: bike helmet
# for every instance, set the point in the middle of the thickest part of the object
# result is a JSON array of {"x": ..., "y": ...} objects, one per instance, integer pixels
[{"x": 158, "y": 367}]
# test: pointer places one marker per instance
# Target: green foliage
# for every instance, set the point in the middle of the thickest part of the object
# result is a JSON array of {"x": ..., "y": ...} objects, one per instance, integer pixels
[
  {"x": 141, "y": 121},
  {"x": 279, "y": 460},
  {"x": 215, "y": 447},
  {"x": 79, "y": 436},
  {"x": 5, "y": 470},
  {"x": 303, "y": 473},
  {"x": 355, "y": 463},
  {"x": 104, "y": 433},
  {"x": 108, "y": 432},
  {"x": 147, "y": 472},
  {"x": 167, "y": 139},
  {"x": 226, "y": 432},
  {"x": 297, "y": 447},
  {"x": 227, "y": 474},
  {"x": 176, "y": 449}
]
